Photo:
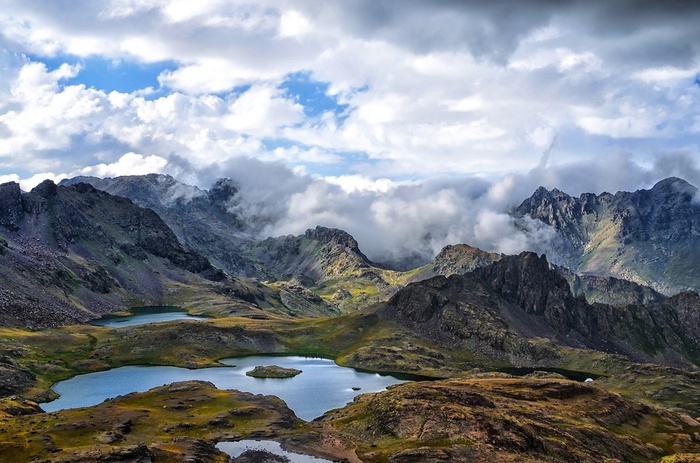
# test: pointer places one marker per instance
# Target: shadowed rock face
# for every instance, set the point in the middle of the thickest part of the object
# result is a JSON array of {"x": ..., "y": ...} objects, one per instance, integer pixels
[
  {"x": 10, "y": 205},
  {"x": 202, "y": 220},
  {"x": 495, "y": 310},
  {"x": 650, "y": 237},
  {"x": 66, "y": 247}
]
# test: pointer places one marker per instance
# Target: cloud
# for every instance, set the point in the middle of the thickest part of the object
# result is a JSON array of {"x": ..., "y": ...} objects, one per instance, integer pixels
[
  {"x": 128, "y": 164},
  {"x": 392, "y": 221},
  {"x": 401, "y": 222},
  {"x": 436, "y": 117}
]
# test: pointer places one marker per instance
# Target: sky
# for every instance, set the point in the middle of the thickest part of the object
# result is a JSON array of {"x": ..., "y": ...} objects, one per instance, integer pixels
[{"x": 410, "y": 123}]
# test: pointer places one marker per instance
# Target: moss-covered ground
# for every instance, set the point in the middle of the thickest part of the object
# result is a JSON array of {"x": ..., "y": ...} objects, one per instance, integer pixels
[{"x": 360, "y": 339}]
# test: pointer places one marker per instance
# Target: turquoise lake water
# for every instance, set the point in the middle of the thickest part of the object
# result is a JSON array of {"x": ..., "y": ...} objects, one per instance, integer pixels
[{"x": 321, "y": 386}]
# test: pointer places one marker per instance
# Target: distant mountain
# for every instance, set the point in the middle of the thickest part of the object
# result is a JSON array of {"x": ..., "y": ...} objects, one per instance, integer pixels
[
  {"x": 318, "y": 254},
  {"x": 316, "y": 273},
  {"x": 329, "y": 262},
  {"x": 454, "y": 259},
  {"x": 610, "y": 290},
  {"x": 651, "y": 237},
  {"x": 200, "y": 219},
  {"x": 321, "y": 268},
  {"x": 521, "y": 310},
  {"x": 72, "y": 253}
]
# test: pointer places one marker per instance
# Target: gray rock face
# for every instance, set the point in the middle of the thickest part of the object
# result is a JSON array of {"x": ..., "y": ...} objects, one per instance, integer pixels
[
  {"x": 10, "y": 205},
  {"x": 496, "y": 309},
  {"x": 651, "y": 237},
  {"x": 317, "y": 254},
  {"x": 200, "y": 219},
  {"x": 610, "y": 290},
  {"x": 66, "y": 244}
]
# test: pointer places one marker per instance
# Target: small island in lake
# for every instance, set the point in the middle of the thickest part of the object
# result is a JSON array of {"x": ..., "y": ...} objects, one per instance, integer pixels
[{"x": 272, "y": 371}]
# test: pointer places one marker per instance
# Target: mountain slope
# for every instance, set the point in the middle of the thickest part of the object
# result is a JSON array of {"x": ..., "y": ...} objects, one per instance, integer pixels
[
  {"x": 651, "y": 237},
  {"x": 200, "y": 219},
  {"x": 329, "y": 263},
  {"x": 509, "y": 420},
  {"x": 610, "y": 290},
  {"x": 520, "y": 310},
  {"x": 70, "y": 254},
  {"x": 454, "y": 259}
]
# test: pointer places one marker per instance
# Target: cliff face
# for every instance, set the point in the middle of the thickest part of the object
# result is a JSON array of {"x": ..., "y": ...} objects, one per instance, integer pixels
[
  {"x": 200, "y": 219},
  {"x": 651, "y": 237},
  {"x": 69, "y": 254},
  {"x": 610, "y": 290},
  {"x": 502, "y": 309}
]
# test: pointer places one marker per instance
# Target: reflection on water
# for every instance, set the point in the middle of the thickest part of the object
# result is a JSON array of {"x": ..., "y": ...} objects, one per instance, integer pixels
[
  {"x": 235, "y": 449},
  {"x": 143, "y": 315},
  {"x": 321, "y": 386}
]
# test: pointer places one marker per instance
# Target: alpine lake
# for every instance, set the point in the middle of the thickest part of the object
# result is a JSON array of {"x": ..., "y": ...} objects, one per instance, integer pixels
[{"x": 321, "y": 386}]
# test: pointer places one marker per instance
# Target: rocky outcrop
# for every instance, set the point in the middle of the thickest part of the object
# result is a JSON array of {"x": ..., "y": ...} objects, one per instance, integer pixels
[
  {"x": 500, "y": 310},
  {"x": 10, "y": 205},
  {"x": 455, "y": 259},
  {"x": 509, "y": 420},
  {"x": 651, "y": 237},
  {"x": 13, "y": 378},
  {"x": 202, "y": 220}
]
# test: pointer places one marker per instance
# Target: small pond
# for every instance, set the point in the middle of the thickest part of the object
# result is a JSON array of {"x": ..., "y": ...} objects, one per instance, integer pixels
[
  {"x": 235, "y": 449},
  {"x": 579, "y": 376},
  {"x": 321, "y": 386},
  {"x": 143, "y": 315}
]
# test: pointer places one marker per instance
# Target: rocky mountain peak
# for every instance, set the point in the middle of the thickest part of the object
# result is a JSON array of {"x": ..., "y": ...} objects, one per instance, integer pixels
[
  {"x": 333, "y": 236},
  {"x": 529, "y": 281},
  {"x": 673, "y": 191},
  {"x": 650, "y": 236},
  {"x": 46, "y": 189},
  {"x": 222, "y": 191}
]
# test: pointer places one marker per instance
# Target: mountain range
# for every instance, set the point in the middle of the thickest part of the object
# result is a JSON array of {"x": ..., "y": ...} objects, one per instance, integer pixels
[
  {"x": 634, "y": 248},
  {"x": 612, "y": 296},
  {"x": 651, "y": 237}
]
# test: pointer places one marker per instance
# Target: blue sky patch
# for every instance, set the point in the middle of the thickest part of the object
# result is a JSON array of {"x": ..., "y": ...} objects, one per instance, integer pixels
[
  {"x": 349, "y": 162},
  {"x": 313, "y": 95},
  {"x": 109, "y": 75}
]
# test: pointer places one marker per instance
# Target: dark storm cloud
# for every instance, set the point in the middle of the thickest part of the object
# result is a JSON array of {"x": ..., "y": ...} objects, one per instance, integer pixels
[
  {"x": 487, "y": 29},
  {"x": 651, "y": 31}
]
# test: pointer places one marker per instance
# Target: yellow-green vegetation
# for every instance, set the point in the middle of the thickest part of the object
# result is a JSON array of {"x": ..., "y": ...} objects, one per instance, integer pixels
[
  {"x": 601, "y": 249},
  {"x": 169, "y": 423},
  {"x": 361, "y": 339},
  {"x": 658, "y": 386},
  {"x": 682, "y": 458},
  {"x": 509, "y": 420},
  {"x": 59, "y": 353}
]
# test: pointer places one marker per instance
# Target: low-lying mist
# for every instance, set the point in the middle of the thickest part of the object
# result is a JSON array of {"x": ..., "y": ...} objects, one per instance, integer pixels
[{"x": 407, "y": 223}]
